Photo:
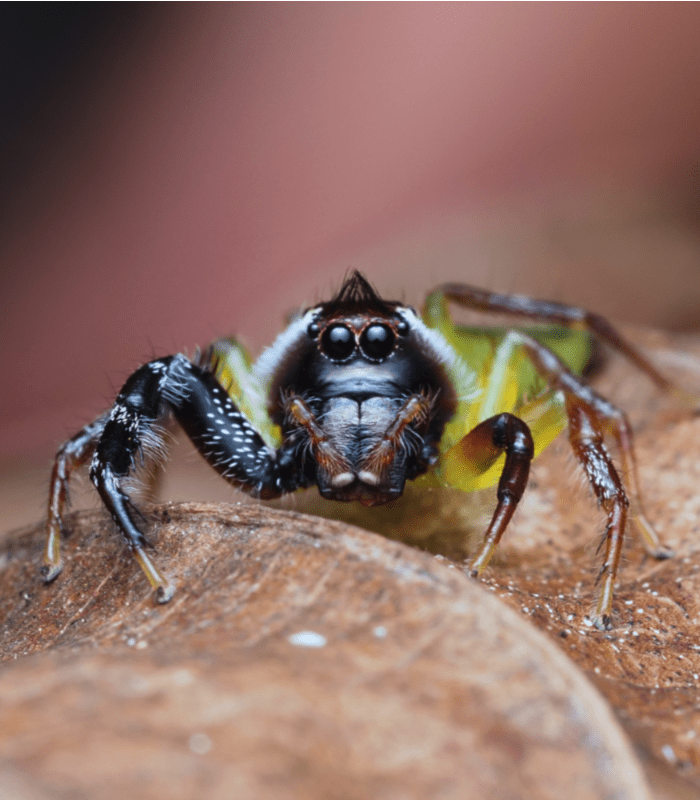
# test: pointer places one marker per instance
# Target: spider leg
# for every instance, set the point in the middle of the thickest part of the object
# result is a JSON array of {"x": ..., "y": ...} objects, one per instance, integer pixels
[
  {"x": 328, "y": 459},
  {"x": 74, "y": 453},
  {"x": 415, "y": 411},
  {"x": 222, "y": 435},
  {"x": 484, "y": 444},
  {"x": 591, "y": 417},
  {"x": 571, "y": 316}
]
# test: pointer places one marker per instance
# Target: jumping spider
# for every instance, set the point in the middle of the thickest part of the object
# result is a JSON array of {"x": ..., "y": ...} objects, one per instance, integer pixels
[{"x": 359, "y": 395}]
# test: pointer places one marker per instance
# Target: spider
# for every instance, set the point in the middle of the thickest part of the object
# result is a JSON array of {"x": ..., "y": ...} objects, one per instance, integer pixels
[{"x": 359, "y": 395}]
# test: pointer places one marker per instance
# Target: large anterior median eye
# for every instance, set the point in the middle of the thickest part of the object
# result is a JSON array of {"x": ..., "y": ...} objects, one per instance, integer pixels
[
  {"x": 338, "y": 342},
  {"x": 377, "y": 341}
]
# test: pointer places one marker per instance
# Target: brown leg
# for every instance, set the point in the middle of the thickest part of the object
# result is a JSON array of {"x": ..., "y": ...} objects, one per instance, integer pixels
[
  {"x": 590, "y": 418},
  {"x": 326, "y": 455},
  {"x": 519, "y": 305},
  {"x": 74, "y": 453},
  {"x": 484, "y": 444},
  {"x": 586, "y": 437},
  {"x": 415, "y": 410}
]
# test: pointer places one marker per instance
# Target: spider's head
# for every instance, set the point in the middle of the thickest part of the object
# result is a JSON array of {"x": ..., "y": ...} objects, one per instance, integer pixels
[{"x": 357, "y": 326}]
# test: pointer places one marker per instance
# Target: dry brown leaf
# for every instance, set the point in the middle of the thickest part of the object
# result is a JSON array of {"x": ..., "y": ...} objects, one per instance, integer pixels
[{"x": 299, "y": 658}]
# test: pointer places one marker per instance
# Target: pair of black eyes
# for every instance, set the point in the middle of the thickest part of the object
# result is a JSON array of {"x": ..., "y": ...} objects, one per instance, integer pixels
[{"x": 376, "y": 342}]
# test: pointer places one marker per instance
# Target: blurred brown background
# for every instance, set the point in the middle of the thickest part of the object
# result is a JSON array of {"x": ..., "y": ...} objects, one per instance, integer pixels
[{"x": 171, "y": 173}]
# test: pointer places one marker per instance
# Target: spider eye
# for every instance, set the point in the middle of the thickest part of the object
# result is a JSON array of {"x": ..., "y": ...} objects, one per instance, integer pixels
[
  {"x": 402, "y": 328},
  {"x": 313, "y": 330},
  {"x": 377, "y": 342},
  {"x": 338, "y": 342}
]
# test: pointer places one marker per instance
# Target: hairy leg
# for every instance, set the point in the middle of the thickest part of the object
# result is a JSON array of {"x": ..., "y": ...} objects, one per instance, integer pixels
[
  {"x": 591, "y": 418},
  {"x": 563, "y": 314},
  {"x": 120, "y": 440},
  {"x": 73, "y": 454}
]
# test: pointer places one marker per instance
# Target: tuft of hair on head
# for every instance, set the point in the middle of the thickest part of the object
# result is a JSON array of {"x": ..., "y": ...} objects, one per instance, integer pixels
[{"x": 357, "y": 294}]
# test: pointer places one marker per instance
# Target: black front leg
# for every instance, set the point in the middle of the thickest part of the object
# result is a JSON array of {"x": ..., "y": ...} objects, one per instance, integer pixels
[
  {"x": 225, "y": 438},
  {"x": 216, "y": 427}
]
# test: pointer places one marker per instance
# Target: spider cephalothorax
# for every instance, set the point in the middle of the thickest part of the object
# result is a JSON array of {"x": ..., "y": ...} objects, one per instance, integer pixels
[
  {"x": 360, "y": 389},
  {"x": 360, "y": 394}
]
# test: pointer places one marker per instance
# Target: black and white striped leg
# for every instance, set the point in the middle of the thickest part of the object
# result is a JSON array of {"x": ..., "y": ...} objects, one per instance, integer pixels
[{"x": 216, "y": 427}]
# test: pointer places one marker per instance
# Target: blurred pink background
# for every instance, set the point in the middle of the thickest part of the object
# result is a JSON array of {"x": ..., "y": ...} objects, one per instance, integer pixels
[{"x": 223, "y": 164}]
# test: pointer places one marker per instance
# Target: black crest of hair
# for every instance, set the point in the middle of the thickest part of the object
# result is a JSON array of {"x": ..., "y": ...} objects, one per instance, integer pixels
[{"x": 357, "y": 295}]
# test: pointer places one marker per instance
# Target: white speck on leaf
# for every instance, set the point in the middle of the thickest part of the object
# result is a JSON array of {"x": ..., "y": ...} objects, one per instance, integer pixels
[
  {"x": 307, "y": 639},
  {"x": 668, "y": 753},
  {"x": 200, "y": 744}
]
